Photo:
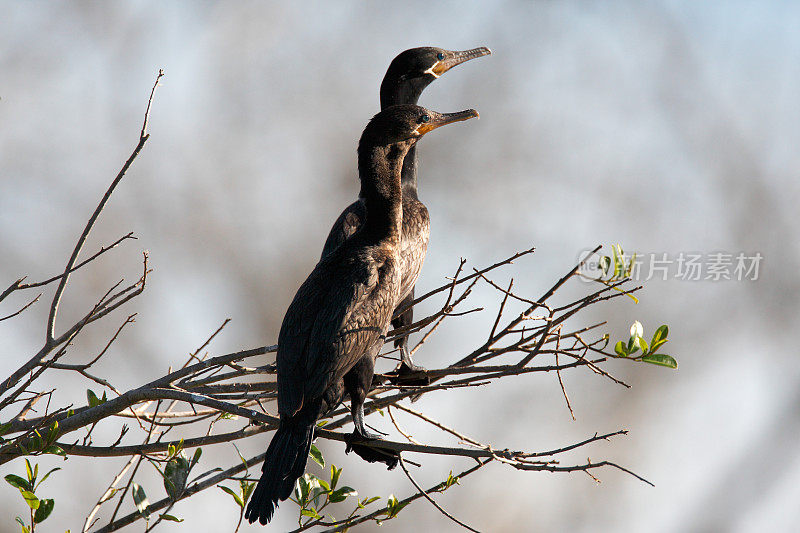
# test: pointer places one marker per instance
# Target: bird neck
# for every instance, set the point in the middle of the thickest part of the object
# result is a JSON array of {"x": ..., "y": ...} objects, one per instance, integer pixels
[
  {"x": 380, "y": 169},
  {"x": 409, "y": 175},
  {"x": 397, "y": 91}
]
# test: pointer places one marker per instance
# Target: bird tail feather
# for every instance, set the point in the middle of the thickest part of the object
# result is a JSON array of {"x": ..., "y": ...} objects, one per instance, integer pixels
[{"x": 285, "y": 462}]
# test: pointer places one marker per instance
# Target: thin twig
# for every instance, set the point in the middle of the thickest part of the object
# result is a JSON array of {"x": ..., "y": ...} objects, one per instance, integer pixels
[
  {"x": 425, "y": 495},
  {"x": 12, "y": 315}
]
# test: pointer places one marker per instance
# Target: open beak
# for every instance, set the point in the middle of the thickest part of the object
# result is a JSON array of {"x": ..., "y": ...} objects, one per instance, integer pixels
[
  {"x": 442, "y": 119},
  {"x": 452, "y": 59}
]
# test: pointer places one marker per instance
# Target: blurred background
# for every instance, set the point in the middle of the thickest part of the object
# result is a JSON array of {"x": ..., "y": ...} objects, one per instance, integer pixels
[{"x": 669, "y": 127}]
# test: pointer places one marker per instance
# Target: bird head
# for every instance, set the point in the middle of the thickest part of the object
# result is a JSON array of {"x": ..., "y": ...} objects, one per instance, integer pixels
[{"x": 413, "y": 70}]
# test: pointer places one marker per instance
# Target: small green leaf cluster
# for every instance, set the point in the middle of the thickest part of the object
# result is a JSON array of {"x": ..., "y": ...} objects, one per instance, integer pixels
[
  {"x": 649, "y": 352},
  {"x": 40, "y": 509},
  {"x": 38, "y": 444},
  {"x": 449, "y": 482},
  {"x": 313, "y": 493},
  {"x": 141, "y": 501},
  {"x": 93, "y": 400},
  {"x": 394, "y": 506},
  {"x": 177, "y": 469},
  {"x": 174, "y": 476},
  {"x": 621, "y": 269},
  {"x": 240, "y": 496}
]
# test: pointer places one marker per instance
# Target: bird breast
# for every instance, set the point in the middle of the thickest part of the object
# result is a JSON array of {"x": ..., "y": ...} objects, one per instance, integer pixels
[{"x": 414, "y": 243}]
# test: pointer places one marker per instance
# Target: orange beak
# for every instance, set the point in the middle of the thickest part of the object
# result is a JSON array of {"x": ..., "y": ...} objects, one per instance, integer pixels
[
  {"x": 442, "y": 119},
  {"x": 452, "y": 59}
]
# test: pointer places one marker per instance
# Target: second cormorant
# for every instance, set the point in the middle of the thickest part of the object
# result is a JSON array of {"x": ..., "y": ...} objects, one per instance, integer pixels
[
  {"x": 408, "y": 75},
  {"x": 337, "y": 321}
]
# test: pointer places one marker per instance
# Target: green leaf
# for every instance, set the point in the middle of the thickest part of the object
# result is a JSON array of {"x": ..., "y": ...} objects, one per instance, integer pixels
[
  {"x": 394, "y": 506},
  {"x": 304, "y": 489},
  {"x": 196, "y": 457},
  {"x": 171, "y": 518},
  {"x": 605, "y": 262},
  {"x": 175, "y": 474},
  {"x": 449, "y": 482},
  {"x": 247, "y": 489},
  {"x": 633, "y": 347},
  {"x": 241, "y": 457},
  {"x": 643, "y": 344},
  {"x": 18, "y": 482},
  {"x": 25, "y": 529},
  {"x": 310, "y": 513},
  {"x": 92, "y": 398},
  {"x": 335, "y": 473},
  {"x": 620, "y": 349},
  {"x": 237, "y": 498},
  {"x": 317, "y": 456},
  {"x": 44, "y": 510},
  {"x": 29, "y": 471},
  {"x": 55, "y": 450},
  {"x": 367, "y": 501},
  {"x": 36, "y": 441},
  {"x": 660, "y": 359},
  {"x": 313, "y": 481},
  {"x": 47, "y": 475},
  {"x": 31, "y": 499},
  {"x": 140, "y": 499},
  {"x": 618, "y": 261},
  {"x": 340, "y": 495},
  {"x": 662, "y": 332},
  {"x": 52, "y": 435},
  {"x": 654, "y": 346},
  {"x": 629, "y": 270}
]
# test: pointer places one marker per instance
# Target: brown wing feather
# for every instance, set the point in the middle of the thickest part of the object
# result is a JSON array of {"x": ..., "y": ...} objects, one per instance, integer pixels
[
  {"x": 345, "y": 226},
  {"x": 340, "y": 311}
]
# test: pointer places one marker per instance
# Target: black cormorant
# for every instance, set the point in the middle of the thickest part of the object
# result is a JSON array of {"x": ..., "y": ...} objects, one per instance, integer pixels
[
  {"x": 338, "y": 319},
  {"x": 408, "y": 75}
]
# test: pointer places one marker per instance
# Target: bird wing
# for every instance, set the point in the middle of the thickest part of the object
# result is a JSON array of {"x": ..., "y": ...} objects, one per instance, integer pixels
[
  {"x": 341, "y": 310},
  {"x": 345, "y": 226},
  {"x": 292, "y": 349}
]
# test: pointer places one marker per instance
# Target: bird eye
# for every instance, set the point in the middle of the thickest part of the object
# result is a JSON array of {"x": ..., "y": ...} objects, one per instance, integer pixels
[
  {"x": 424, "y": 118},
  {"x": 440, "y": 56}
]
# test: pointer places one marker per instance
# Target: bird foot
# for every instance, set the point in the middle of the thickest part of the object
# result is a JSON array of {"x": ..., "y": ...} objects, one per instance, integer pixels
[
  {"x": 409, "y": 374},
  {"x": 358, "y": 443}
]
